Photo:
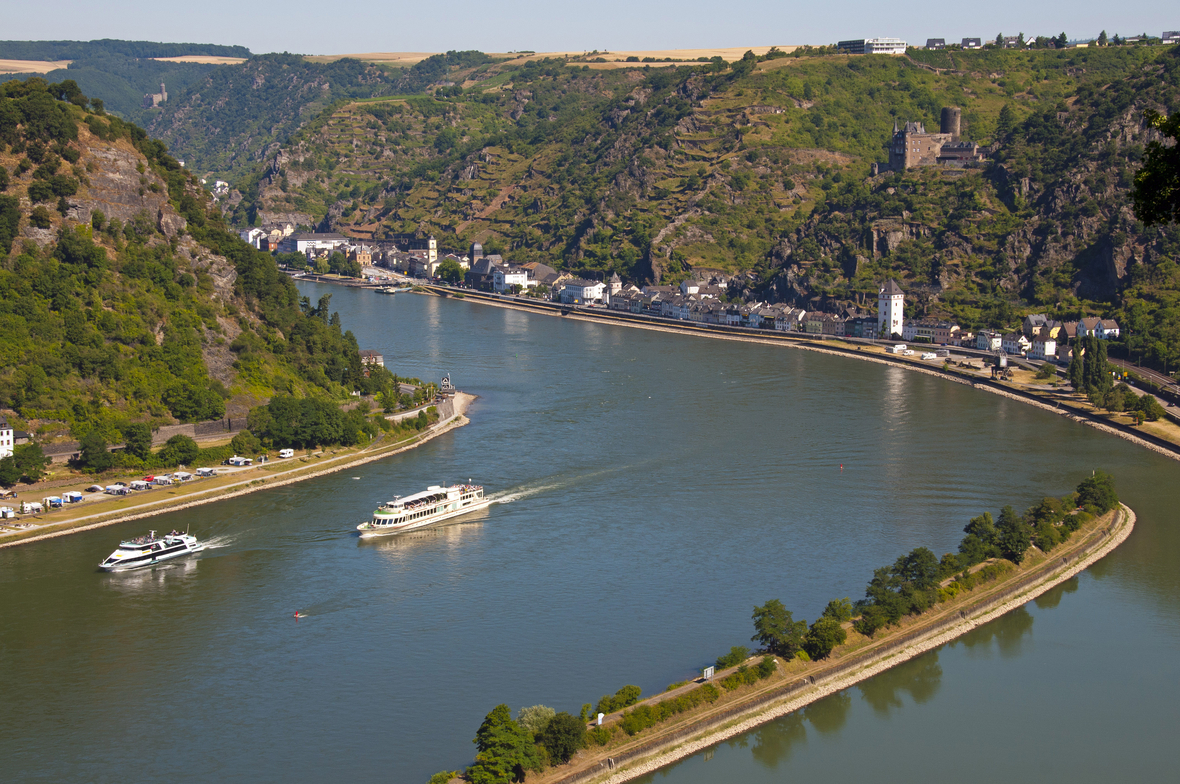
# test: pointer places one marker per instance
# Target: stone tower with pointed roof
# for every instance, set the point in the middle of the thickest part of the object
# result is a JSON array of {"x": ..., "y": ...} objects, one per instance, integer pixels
[{"x": 890, "y": 307}]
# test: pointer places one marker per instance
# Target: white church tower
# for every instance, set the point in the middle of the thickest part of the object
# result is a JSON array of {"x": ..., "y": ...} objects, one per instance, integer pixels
[
  {"x": 890, "y": 304},
  {"x": 432, "y": 250}
]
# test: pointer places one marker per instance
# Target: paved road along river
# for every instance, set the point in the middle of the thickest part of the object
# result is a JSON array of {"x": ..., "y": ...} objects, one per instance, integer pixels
[{"x": 655, "y": 487}]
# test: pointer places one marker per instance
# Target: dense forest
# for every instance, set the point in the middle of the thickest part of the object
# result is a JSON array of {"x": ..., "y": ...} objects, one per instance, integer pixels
[
  {"x": 119, "y": 73},
  {"x": 760, "y": 169},
  {"x": 124, "y": 298}
]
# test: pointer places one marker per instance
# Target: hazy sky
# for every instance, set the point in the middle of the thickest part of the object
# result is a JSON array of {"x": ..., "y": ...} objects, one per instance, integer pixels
[{"x": 340, "y": 26}]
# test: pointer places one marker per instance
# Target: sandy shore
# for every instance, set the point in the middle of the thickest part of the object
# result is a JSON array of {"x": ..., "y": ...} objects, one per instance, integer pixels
[
  {"x": 824, "y": 687},
  {"x": 255, "y": 483}
]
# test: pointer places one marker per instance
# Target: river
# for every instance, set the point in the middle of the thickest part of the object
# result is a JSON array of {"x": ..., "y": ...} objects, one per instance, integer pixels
[{"x": 653, "y": 489}]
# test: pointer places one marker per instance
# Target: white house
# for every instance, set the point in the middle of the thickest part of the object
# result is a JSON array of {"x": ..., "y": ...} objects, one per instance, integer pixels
[
  {"x": 988, "y": 340},
  {"x": 7, "y": 438},
  {"x": 582, "y": 292},
  {"x": 890, "y": 310},
  {"x": 302, "y": 243},
  {"x": 1015, "y": 344},
  {"x": 1043, "y": 348},
  {"x": 253, "y": 236},
  {"x": 1103, "y": 329},
  {"x": 504, "y": 278}
]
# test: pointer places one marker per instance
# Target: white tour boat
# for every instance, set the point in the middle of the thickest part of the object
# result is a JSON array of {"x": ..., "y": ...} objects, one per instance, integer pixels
[
  {"x": 432, "y": 505},
  {"x": 149, "y": 550}
]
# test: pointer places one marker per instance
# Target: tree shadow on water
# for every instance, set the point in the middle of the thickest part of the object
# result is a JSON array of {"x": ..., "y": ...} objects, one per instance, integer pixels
[
  {"x": 920, "y": 678},
  {"x": 829, "y": 714},
  {"x": 1007, "y": 631},
  {"x": 1052, "y": 597},
  {"x": 773, "y": 742}
]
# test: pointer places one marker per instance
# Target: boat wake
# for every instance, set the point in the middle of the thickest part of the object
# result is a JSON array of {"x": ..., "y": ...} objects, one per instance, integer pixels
[
  {"x": 519, "y": 494},
  {"x": 216, "y": 542},
  {"x": 508, "y": 496}
]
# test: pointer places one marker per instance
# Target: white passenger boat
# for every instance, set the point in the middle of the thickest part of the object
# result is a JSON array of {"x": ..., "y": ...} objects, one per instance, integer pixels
[
  {"x": 150, "y": 550},
  {"x": 432, "y": 505}
]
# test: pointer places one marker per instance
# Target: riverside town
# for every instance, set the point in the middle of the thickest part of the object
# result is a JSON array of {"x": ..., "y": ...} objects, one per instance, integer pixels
[{"x": 620, "y": 408}]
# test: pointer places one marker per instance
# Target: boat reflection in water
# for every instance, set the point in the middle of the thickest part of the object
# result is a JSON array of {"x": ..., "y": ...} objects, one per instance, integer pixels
[
  {"x": 450, "y": 534},
  {"x": 154, "y": 579}
]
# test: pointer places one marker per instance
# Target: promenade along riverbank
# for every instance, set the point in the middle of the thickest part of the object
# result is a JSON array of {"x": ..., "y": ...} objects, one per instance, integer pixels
[
  {"x": 797, "y": 685},
  {"x": 277, "y": 473}
]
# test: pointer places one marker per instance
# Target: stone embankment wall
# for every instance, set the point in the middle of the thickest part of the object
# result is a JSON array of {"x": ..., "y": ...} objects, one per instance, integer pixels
[{"x": 745, "y": 715}]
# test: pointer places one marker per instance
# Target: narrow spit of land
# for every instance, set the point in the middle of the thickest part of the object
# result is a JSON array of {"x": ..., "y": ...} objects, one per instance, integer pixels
[
  {"x": 798, "y": 684},
  {"x": 205, "y": 491}
]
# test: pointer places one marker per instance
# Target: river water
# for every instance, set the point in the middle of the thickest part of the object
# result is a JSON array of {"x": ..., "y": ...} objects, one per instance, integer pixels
[{"x": 654, "y": 488}]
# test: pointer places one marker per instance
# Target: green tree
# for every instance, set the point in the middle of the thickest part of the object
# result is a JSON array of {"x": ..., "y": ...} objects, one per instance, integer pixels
[
  {"x": 30, "y": 461},
  {"x": 1004, "y": 124},
  {"x": 9, "y": 473},
  {"x": 776, "y": 630},
  {"x": 1151, "y": 408},
  {"x": 245, "y": 443},
  {"x": 93, "y": 454},
  {"x": 1014, "y": 535},
  {"x": 450, "y": 271},
  {"x": 137, "y": 440},
  {"x": 839, "y": 610},
  {"x": 1156, "y": 195},
  {"x": 737, "y": 654},
  {"x": 1098, "y": 491},
  {"x": 1076, "y": 377},
  {"x": 506, "y": 750},
  {"x": 535, "y": 718},
  {"x": 179, "y": 450},
  {"x": 563, "y": 737},
  {"x": 823, "y": 636},
  {"x": 1102, "y": 39}
]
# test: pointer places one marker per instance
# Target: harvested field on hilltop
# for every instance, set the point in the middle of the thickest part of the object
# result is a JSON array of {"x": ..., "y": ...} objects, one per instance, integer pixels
[
  {"x": 202, "y": 59},
  {"x": 32, "y": 66},
  {"x": 407, "y": 59}
]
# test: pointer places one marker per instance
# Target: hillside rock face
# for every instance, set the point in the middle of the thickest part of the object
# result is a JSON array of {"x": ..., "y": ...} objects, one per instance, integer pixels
[{"x": 122, "y": 188}]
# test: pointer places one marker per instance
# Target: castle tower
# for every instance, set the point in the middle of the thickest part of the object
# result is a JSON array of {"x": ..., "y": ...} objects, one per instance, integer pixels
[
  {"x": 952, "y": 119},
  {"x": 890, "y": 307}
]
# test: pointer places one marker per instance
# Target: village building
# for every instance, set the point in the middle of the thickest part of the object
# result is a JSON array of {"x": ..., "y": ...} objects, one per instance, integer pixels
[
  {"x": 890, "y": 310},
  {"x": 312, "y": 243},
  {"x": 582, "y": 292},
  {"x": 7, "y": 439},
  {"x": 971, "y": 43},
  {"x": 872, "y": 46}
]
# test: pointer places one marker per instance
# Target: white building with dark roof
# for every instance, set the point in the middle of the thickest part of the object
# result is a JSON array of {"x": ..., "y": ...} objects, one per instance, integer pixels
[
  {"x": 582, "y": 292},
  {"x": 890, "y": 310}
]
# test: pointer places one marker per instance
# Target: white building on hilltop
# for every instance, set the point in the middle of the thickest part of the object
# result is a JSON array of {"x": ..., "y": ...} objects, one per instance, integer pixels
[{"x": 890, "y": 307}]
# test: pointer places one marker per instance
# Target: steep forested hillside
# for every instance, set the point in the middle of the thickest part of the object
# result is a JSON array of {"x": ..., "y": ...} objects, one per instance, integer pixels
[
  {"x": 762, "y": 168},
  {"x": 122, "y": 295},
  {"x": 232, "y": 119},
  {"x": 119, "y": 73}
]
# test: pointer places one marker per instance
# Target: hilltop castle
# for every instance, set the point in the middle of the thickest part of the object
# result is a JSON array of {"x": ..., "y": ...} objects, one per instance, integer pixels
[
  {"x": 152, "y": 100},
  {"x": 911, "y": 146}
]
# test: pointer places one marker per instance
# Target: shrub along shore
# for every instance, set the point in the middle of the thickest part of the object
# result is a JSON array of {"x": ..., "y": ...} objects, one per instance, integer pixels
[{"x": 916, "y": 602}]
